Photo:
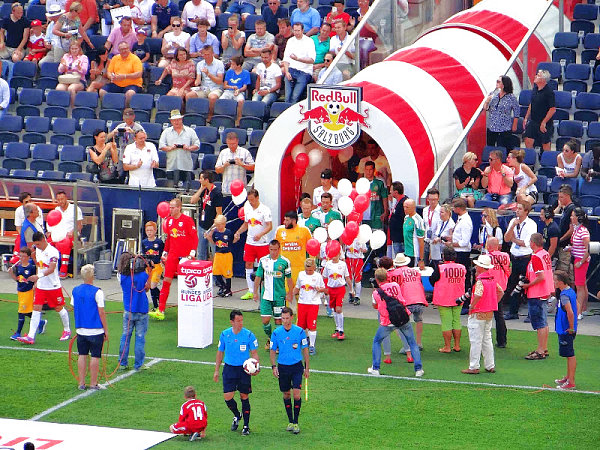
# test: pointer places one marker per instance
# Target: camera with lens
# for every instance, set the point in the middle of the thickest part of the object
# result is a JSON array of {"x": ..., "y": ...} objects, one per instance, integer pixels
[
  {"x": 232, "y": 161},
  {"x": 519, "y": 287},
  {"x": 121, "y": 130},
  {"x": 463, "y": 298}
]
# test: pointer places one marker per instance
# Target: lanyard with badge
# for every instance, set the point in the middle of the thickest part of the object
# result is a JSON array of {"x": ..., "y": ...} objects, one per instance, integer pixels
[
  {"x": 519, "y": 229},
  {"x": 205, "y": 201},
  {"x": 430, "y": 214}
]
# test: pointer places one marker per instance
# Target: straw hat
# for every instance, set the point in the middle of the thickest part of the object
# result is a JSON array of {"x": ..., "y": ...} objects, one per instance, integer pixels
[
  {"x": 484, "y": 261},
  {"x": 401, "y": 260}
]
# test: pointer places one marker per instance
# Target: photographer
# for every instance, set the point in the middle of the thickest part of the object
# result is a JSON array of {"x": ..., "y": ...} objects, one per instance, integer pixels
[
  {"x": 139, "y": 159},
  {"x": 104, "y": 159},
  {"x": 233, "y": 162},
  {"x": 123, "y": 135},
  {"x": 179, "y": 141}
]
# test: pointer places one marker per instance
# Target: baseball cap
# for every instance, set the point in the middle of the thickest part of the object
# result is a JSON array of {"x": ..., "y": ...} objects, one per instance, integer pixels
[
  {"x": 36, "y": 23},
  {"x": 141, "y": 31}
]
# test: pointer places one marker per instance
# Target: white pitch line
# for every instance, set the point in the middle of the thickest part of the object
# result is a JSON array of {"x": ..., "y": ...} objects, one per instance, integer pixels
[
  {"x": 352, "y": 374},
  {"x": 89, "y": 391}
]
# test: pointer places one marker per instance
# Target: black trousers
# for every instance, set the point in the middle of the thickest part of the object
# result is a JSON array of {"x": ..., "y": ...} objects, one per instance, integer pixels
[{"x": 519, "y": 267}]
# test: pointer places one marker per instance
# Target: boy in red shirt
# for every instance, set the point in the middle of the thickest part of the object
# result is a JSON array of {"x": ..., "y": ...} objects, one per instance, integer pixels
[{"x": 192, "y": 417}]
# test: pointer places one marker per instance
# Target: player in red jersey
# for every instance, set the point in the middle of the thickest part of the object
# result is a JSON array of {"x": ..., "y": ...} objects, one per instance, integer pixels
[
  {"x": 182, "y": 240},
  {"x": 192, "y": 417}
]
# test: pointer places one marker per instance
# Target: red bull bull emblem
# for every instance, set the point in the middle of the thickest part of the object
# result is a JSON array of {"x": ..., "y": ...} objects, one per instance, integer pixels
[{"x": 333, "y": 115}]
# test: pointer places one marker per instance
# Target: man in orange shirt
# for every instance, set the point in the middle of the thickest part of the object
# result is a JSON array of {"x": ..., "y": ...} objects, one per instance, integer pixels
[{"x": 125, "y": 74}]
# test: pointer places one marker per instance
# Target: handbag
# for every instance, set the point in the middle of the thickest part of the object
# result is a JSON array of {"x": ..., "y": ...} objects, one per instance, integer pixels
[{"x": 69, "y": 78}]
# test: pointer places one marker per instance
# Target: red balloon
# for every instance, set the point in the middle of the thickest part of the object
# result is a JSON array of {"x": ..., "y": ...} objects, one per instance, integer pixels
[
  {"x": 332, "y": 153},
  {"x": 302, "y": 160},
  {"x": 351, "y": 230},
  {"x": 354, "y": 216},
  {"x": 313, "y": 247},
  {"x": 236, "y": 187},
  {"x": 241, "y": 214},
  {"x": 333, "y": 249},
  {"x": 164, "y": 227},
  {"x": 54, "y": 217},
  {"x": 353, "y": 194},
  {"x": 299, "y": 171},
  {"x": 361, "y": 203},
  {"x": 162, "y": 209},
  {"x": 346, "y": 238}
]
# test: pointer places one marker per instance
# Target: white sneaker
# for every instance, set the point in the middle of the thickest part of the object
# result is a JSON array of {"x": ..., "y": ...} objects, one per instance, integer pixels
[
  {"x": 419, "y": 373},
  {"x": 580, "y": 317},
  {"x": 372, "y": 371}
]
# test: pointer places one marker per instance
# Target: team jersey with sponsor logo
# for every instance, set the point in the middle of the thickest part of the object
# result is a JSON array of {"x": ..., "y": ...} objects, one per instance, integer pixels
[
  {"x": 335, "y": 273},
  {"x": 44, "y": 259},
  {"x": 356, "y": 250},
  {"x": 153, "y": 249},
  {"x": 273, "y": 273},
  {"x": 223, "y": 239},
  {"x": 293, "y": 244},
  {"x": 22, "y": 273},
  {"x": 308, "y": 285},
  {"x": 182, "y": 236},
  {"x": 257, "y": 220},
  {"x": 289, "y": 343},
  {"x": 237, "y": 347}
]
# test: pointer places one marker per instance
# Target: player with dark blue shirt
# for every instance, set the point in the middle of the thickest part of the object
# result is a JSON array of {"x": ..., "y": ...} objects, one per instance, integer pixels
[
  {"x": 152, "y": 249},
  {"x": 292, "y": 343},
  {"x": 222, "y": 239},
  {"x": 236, "y": 345}
]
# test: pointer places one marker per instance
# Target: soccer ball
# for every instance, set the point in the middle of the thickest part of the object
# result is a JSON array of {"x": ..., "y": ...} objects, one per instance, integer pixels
[
  {"x": 333, "y": 108},
  {"x": 251, "y": 366}
]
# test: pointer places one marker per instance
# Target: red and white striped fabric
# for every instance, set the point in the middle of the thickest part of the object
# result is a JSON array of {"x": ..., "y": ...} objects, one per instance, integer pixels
[{"x": 577, "y": 246}]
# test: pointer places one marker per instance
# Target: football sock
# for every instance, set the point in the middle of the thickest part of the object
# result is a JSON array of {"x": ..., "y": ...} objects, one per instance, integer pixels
[
  {"x": 232, "y": 405},
  {"x": 228, "y": 284},
  {"x": 21, "y": 322},
  {"x": 64, "y": 262},
  {"x": 34, "y": 323},
  {"x": 312, "y": 336},
  {"x": 64, "y": 317},
  {"x": 297, "y": 405},
  {"x": 155, "y": 293},
  {"x": 249, "y": 281},
  {"x": 288, "y": 409},
  {"x": 219, "y": 281},
  {"x": 246, "y": 411},
  {"x": 164, "y": 295},
  {"x": 267, "y": 329},
  {"x": 357, "y": 289},
  {"x": 335, "y": 320},
  {"x": 341, "y": 322}
]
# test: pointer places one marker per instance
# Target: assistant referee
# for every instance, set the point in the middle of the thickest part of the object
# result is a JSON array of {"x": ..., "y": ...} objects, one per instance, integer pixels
[
  {"x": 236, "y": 345},
  {"x": 292, "y": 343}
]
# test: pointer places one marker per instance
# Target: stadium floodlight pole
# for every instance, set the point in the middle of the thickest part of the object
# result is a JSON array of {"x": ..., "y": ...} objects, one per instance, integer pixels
[{"x": 463, "y": 135}]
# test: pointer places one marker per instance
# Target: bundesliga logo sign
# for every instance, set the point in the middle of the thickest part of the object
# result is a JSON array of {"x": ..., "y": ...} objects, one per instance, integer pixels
[{"x": 333, "y": 115}]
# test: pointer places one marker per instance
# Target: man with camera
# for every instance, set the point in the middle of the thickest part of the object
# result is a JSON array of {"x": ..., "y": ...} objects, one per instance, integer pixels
[
  {"x": 233, "y": 162},
  {"x": 123, "y": 135}
]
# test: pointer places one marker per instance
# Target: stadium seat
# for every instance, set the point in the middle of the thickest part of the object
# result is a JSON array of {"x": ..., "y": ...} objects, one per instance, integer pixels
[
  {"x": 36, "y": 12},
  {"x": 85, "y": 140},
  {"x": 57, "y": 103},
  {"x": 43, "y": 156},
  {"x": 194, "y": 119},
  {"x": 89, "y": 126},
  {"x": 29, "y": 101},
  {"x": 552, "y": 67},
  {"x": 36, "y": 129},
  {"x": 589, "y": 202},
  {"x": 486, "y": 204},
  {"x": 112, "y": 107},
  {"x": 226, "y": 107},
  {"x": 63, "y": 131},
  {"x": 485, "y": 156},
  {"x": 23, "y": 74},
  {"x": 250, "y": 24},
  {"x": 10, "y": 126},
  {"x": 597, "y": 211},
  {"x": 563, "y": 99},
  {"x": 566, "y": 39},
  {"x": 3, "y": 172},
  {"x": 584, "y": 26},
  {"x": 530, "y": 156},
  {"x": 591, "y": 188},
  {"x": 52, "y": 175},
  {"x": 559, "y": 114},
  {"x": 585, "y": 11},
  {"x": 160, "y": 182},
  {"x": 5, "y": 10},
  {"x": 557, "y": 182},
  {"x": 591, "y": 43},
  {"x": 221, "y": 24},
  {"x": 254, "y": 109},
  {"x": 524, "y": 101},
  {"x": 153, "y": 130},
  {"x": 168, "y": 103},
  {"x": 142, "y": 104},
  {"x": 323, "y": 11},
  {"x": 206, "y": 147},
  {"x": 566, "y": 54},
  {"x": 49, "y": 70},
  {"x": 587, "y": 105},
  {"x": 256, "y": 137},
  {"x": 162, "y": 159},
  {"x": 572, "y": 128},
  {"x": 207, "y": 134},
  {"x": 99, "y": 41},
  {"x": 542, "y": 183},
  {"x": 78, "y": 176},
  {"x": 222, "y": 121},
  {"x": 23, "y": 173},
  {"x": 242, "y": 135},
  {"x": 548, "y": 163},
  {"x": 15, "y": 155},
  {"x": 197, "y": 106},
  {"x": 208, "y": 162},
  {"x": 162, "y": 117},
  {"x": 577, "y": 77},
  {"x": 163, "y": 88},
  {"x": 85, "y": 105},
  {"x": 155, "y": 45}
]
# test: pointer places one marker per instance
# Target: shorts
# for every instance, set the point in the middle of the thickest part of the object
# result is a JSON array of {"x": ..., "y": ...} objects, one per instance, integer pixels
[
  {"x": 534, "y": 195},
  {"x": 52, "y": 298},
  {"x": 307, "y": 316},
  {"x": 171, "y": 265},
  {"x": 235, "y": 379},
  {"x": 112, "y": 87},
  {"x": 580, "y": 273},
  {"x": 270, "y": 308},
  {"x": 25, "y": 300},
  {"x": 64, "y": 246},
  {"x": 255, "y": 252},
  {"x": 202, "y": 92},
  {"x": 290, "y": 377},
  {"x": 416, "y": 311},
  {"x": 538, "y": 313},
  {"x": 565, "y": 345},
  {"x": 186, "y": 428},
  {"x": 336, "y": 296},
  {"x": 223, "y": 264},
  {"x": 355, "y": 267},
  {"x": 532, "y": 131},
  {"x": 241, "y": 8},
  {"x": 90, "y": 345},
  {"x": 228, "y": 95},
  {"x": 450, "y": 317},
  {"x": 156, "y": 272}
]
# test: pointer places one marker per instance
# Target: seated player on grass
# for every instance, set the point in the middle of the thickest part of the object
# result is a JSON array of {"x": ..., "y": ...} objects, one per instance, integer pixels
[{"x": 192, "y": 416}]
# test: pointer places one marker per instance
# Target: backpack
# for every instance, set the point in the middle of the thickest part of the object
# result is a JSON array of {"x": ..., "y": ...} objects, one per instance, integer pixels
[{"x": 396, "y": 310}]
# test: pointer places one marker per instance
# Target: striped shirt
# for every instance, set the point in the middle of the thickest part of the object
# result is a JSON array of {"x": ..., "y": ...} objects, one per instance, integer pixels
[{"x": 578, "y": 247}]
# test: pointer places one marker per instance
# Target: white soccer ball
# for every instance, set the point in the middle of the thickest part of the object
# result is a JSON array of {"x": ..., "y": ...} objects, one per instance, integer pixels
[
  {"x": 333, "y": 108},
  {"x": 251, "y": 366}
]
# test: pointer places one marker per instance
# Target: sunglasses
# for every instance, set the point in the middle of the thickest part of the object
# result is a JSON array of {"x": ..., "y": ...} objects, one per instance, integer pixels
[
  {"x": 272, "y": 3},
  {"x": 176, "y": 25},
  {"x": 328, "y": 60}
]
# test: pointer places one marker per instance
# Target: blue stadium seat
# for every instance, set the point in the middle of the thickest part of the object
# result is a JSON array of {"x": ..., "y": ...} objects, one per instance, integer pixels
[
  {"x": 485, "y": 155},
  {"x": 85, "y": 140},
  {"x": 548, "y": 158},
  {"x": 589, "y": 202},
  {"x": 207, "y": 134},
  {"x": 563, "y": 99},
  {"x": 222, "y": 121},
  {"x": 591, "y": 188},
  {"x": 566, "y": 54},
  {"x": 36, "y": 12},
  {"x": 49, "y": 70},
  {"x": 29, "y": 101},
  {"x": 250, "y": 24},
  {"x": 566, "y": 39},
  {"x": 576, "y": 77},
  {"x": 36, "y": 129},
  {"x": 584, "y": 26},
  {"x": 23, "y": 173},
  {"x": 226, "y": 107},
  {"x": 88, "y": 126},
  {"x": 3, "y": 172},
  {"x": 155, "y": 45},
  {"x": 43, "y": 156},
  {"x": 52, "y": 175},
  {"x": 15, "y": 154},
  {"x": 557, "y": 182},
  {"x": 23, "y": 74},
  {"x": 194, "y": 119},
  {"x": 585, "y": 11},
  {"x": 591, "y": 43},
  {"x": 168, "y": 103},
  {"x": 222, "y": 23},
  {"x": 5, "y": 10},
  {"x": 597, "y": 211},
  {"x": 256, "y": 137},
  {"x": 78, "y": 176},
  {"x": 197, "y": 106},
  {"x": 162, "y": 159},
  {"x": 486, "y": 204},
  {"x": 587, "y": 105},
  {"x": 153, "y": 130},
  {"x": 85, "y": 105},
  {"x": 323, "y": 11},
  {"x": 254, "y": 109},
  {"x": 63, "y": 131},
  {"x": 112, "y": 107},
  {"x": 142, "y": 104},
  {"x": 279, "y": 107},
  {"x": 10, "y": 126},
  {"x": 160, "y": 182},
  {"x": 206, "y": 147},
  {"x": 552, "y": 67},
  {"x": 58, "y": 102},
  {"x": 593, "y": 130},
  {"x": 163, "y": 88},
  {"x": 572, "y": 128},
  {"x": 530, "y": 156},
  {"x": 241, "y": 134},
  {"x": 99, "y": 41},
  {"x": 542, "y": 183},
  {"x": 559, "y": 115},
  {"x": 208, "y": 162}
]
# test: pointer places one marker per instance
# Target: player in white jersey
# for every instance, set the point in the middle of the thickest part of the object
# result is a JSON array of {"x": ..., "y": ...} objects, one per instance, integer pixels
[
  {"x": 337, "y": 276},
  {"x": 355, "y": 254},
  {"x": 48, "y": 288},
  {"x": 309, "y": 285}
]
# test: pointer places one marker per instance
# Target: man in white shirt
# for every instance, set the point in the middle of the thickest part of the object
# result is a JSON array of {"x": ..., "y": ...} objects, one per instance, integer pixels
[
  {"x": 145, "y": 8},
  {"x": 431, "y": 216},
  {"x": 209, "y": 79},
  {"x": 62, "y": 233},
  {"x": 139, "y": 159},
  {"x": 195, "y": 10},
  {"x": 4, "y": 95},
  {"x": 25, "y": 198},
  {"x": 233, "y": 162},
  {"x": 298, "y": 60},
  {"x": 335, "y": 45},
  {"x": 461, "y": 239},
  {"x": 518, "y": 233},
  {"x": 268, "y": 80},
  {"x": 326, "y": 178}
]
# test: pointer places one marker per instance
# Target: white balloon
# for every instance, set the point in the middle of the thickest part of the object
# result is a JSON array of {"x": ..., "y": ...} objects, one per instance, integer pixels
[
  {"x": 335, "y": 229},
  {"x": 315, "y": 156},
  {"x": 378, "y": 238},
  {"x": 239, "y": 199},
  {"x": 363, "y": 186},
  {"x": 345, "y": 154},
  {"x": 364, "y": 233},
  {"x": 345, "y": 205},
  {"x": 297, "y": 150},
  {"x": 344, "y": 187},
  {"x": 320, "y": 234}
]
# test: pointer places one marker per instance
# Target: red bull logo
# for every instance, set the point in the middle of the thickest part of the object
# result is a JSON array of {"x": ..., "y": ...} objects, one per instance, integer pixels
[
  {"x": 336, "y": 276},
  {"x": 254, "y": 222},
  {"x": 333, "y": 115}
]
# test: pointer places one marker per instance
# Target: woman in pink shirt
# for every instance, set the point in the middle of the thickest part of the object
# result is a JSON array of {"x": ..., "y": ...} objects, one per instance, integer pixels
[
  {"x": 73, "y": 63},
  {"x": 580, "y": 245}
]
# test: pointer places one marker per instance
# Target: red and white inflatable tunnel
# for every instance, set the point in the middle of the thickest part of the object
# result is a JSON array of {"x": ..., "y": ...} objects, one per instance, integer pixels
[{"x": 419, "y": 99}]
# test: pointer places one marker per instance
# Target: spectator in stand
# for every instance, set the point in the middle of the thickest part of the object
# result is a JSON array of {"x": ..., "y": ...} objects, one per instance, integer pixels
[
  {"x": 489, "y": 228},
  {"x": 125, "y": 73},
  {"x": 202, "y": 38},
  {"x": 232, "y": 40},
  {"x": 90, "y": 20},
  {"x": 346, "y": 61},
  {"x": 256, "y": 43},
  {"x": 106, "y": 20},
  {"x": 105, "y": 156},
  {"x": 209, "y": 79},
  {"x": 538, "y": 119},
  {"x": 162, "y": 13},
  {"x": 235, "y": 84},
  {"x": 368, "y": 34},
  {"x": 14, "y": 34},
  {"x": 282, "y": 38},
  {"x": 124, "y": 133},
  {"x": 461, "y": 238},
  {"x": 335, "y": 77},
  {"x": 306, "y": 15},
  {"x": 499, "y": 105},
  {"x": 233, "y": 162},
  {"x": 414, "y": 235},
  {"x": 550, "y": 232},
  {"x": 4, "y": 95},
  {"x": 396, "y": 221},
  {"x": 210, "y": 207},
  {"x": 172, "y": 41},
  {"x": 268, "y": 80},
  {"x": 36, "y": 45},
  {"x": 141, "y": 49},
  {"x": 590, "y": 167},
  {"x": 580, "y": 252},
  {"x": 498, "y": 179},
  {"x": 326, "y": 186},
  {"x": 182, "y": 70},
  {"x": 123, "y": 33},
  {"x": 144, "y": 18},
  {"x": 52, "y": 41},
  {"x": 569, "y": 160},
  {"x": 179, "y": 141},
  {"x": 338, "y": 13},
  {"x": 139, "y": 159},
  {"x": 523, "y": 177},
  {"x": 565, "y": 207},
  {"x": 442, "y": 236},
  {"x": 196, "y": 10},
  {"x": 272, "y": 14},
  {"x": 467, "y": 179},
  {"x": 69, "y": 29},
  {"x": 321, "y": 40},
  {"x": 73, "y": 63},
  {"x": 298, "y": 59},
  {"x": 98, "y": 66},
  {"x": 431, "y": 216}
]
